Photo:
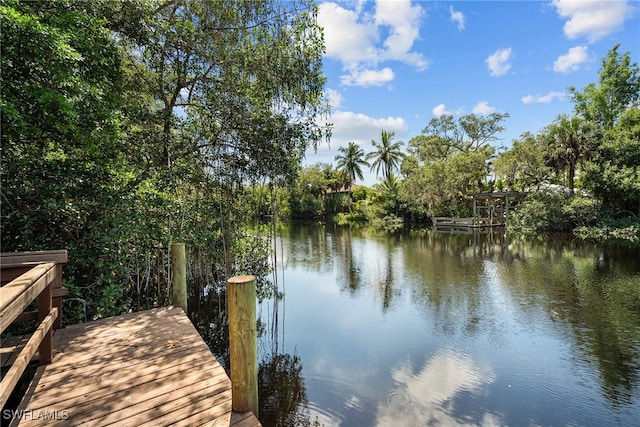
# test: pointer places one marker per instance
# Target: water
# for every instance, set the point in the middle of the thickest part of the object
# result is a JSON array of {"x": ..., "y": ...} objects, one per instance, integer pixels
[{"x": 421, "y": 328}]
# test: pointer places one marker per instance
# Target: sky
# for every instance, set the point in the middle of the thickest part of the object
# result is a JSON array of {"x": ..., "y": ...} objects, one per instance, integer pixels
[{"x": 396, "y": 64}]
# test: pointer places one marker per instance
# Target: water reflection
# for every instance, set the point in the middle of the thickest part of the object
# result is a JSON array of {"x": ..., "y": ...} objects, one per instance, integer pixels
[
  {"x": 423, "y": 328},
  {"x": 281, "y": 387},
  {"x": 282, "y": 392},
  {"x": 433, "y": 395}
]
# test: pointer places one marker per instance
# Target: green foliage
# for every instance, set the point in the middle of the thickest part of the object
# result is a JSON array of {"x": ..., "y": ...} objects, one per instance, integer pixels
[
  {"x": 388, "y": 194},
  {"x": 362, "y": 193},
  {"x": 444, "y": 184},
  {"x": 540, "y": 212},
  {"x": 568, "y": 141},
  {"x": 553, "y": 211},
  {"x": 267, "y": 200},
  {"x": 445, "y": 137},
  {"x": 387, "y": 155},
  {"x": 625, "y": 229},
  {"x": 581, "y": 210},
  {"x": 618, "y": 90},
  {"x": 600, "y": 145},
  {"x": 350, "y": 161},
  {"x": 613, "y": 174},
  {"x": 613, "y": 170},
  {"x": 129, "y": 125},
  {"x": 523, "y": 166}
]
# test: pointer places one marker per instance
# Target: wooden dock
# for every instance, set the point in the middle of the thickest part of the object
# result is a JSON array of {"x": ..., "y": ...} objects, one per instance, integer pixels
[
  {"x": 489, "y": 210},
  {"x": 462, "y": 225},
  {"x": 150, "y": 368}
]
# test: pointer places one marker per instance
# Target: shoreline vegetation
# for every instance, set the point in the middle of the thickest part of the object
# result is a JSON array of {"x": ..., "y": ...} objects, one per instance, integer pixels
[
  {"x": 130, "y": 125},
  {"x": 580, "y": 174}
]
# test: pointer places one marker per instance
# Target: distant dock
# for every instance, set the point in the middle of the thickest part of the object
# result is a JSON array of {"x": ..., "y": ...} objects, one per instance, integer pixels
[{"x": 489, "y": 210}]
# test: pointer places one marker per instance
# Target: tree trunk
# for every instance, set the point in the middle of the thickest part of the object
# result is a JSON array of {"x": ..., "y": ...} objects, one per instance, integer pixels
[{"x": 572, "y": 171}]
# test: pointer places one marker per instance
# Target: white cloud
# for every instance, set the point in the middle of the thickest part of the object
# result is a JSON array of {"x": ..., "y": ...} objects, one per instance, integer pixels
[
  {"x": 483, "y": 107},
  {"x": 440, "y": 110},
  {"x": 420, "y": 393},
  {"x": 334, "y": 97},
  {"x": 571, "y": 60},
  {"x": 347, "y": 38},
  {"x": 403, "y": 19},
  {"x": 543, "y": 99},
  {"x": 361, "y": 129},
  {"x": 355, "y": 38},
  {"x": 499, "y": 62},
  {"x": 592, "y": 18},
  {"x": 457, "y": 17},
  {"x": 366, "y": 78}
]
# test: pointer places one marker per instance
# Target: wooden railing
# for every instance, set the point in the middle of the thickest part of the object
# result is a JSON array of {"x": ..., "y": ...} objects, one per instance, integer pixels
[{"x": 29, "y": 276}]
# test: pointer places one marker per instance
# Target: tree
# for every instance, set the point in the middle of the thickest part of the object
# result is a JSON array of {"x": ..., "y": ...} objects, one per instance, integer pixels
[
  {"x": 351, "y": 160},
  {"x": 444, "y": 136},
  {"x": 613, "y": 173},
  {"x": 116, "y": 113},
  {"x": 238, "y": 83},
  {"x": 387, "y": 155},
  {"x": 618, "y": 90},
  {"x": 568, "y": 141},
  {"x": 523, "y": 165},
  {"x": 65, "y": 176},
  {"x": 444, "y": 184},
  {"x": 389, "y": 190},
  {"x": 307, "y": 194}
]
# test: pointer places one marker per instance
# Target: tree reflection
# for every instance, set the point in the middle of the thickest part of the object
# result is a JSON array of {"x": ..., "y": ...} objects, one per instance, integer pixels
[
  {"x": 281, "y": 389},
  {"x": 587, "y": 294},
  {"x": 282, "y": 393},
  {"x": 386, "y": 283},
  {"x": 598, "y": 298},
  {"x": 349, "y": 269}
]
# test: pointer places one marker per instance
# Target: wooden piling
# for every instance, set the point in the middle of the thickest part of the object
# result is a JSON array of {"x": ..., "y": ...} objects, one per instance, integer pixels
[
  {"x": 241, "y": 293},
  {"x": 179, "y": 270}
]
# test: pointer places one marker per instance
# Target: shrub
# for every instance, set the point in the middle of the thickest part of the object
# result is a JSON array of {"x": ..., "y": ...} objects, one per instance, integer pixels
[{"x": 539, "y": 213}]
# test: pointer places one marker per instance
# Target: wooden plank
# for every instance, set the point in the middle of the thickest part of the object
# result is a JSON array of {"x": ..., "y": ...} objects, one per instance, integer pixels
[
  {"x": 70, "y": 390},
  {"x": 150, "y": 368},
  {"x": 11, "y": 259},
  {"x": 16, "y": 295},
  {"x": 124, "y": 343},
  {"x": 22, "y": 360},
  {"x": 213, "y": 401},
  {"x": 244, "y": 420},
  {"x": 11, "y": 347},
  {"x": 116, "y": 406},
  {"x": 8, "y": 274},
  {"x": 108, "y": 362},
  {"x": 26, "y": 316}
]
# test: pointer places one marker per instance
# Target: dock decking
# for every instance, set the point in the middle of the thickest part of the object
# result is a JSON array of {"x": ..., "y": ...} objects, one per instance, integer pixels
[{"x": 150, "y": 368}]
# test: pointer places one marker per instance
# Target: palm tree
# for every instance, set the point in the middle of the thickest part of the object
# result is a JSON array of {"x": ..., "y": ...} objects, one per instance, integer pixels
[
  {"x": 387, "y": 155},
  {"x": 350, "y": 161},
  {"x": 568, "y": 141}
]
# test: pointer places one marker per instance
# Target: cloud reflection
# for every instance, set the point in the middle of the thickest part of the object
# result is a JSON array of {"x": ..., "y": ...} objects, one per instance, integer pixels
[{"x": 428, "y": 397}]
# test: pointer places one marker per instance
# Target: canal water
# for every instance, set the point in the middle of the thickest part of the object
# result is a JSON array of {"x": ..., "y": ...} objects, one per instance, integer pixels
[{"x": 418, "y": 328}]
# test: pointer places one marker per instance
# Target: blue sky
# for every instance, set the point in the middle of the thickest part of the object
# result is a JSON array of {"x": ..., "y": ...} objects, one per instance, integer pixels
[{"x": 396, "y": 64}]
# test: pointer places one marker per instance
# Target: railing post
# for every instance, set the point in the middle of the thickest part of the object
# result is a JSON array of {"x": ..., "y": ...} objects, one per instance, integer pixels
[
  {"x": 45, "y": 349},
  {"x": 57, "y": 300},
  {"x": 241, "y": 293},
  {"x": 179, "y": 272}
]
